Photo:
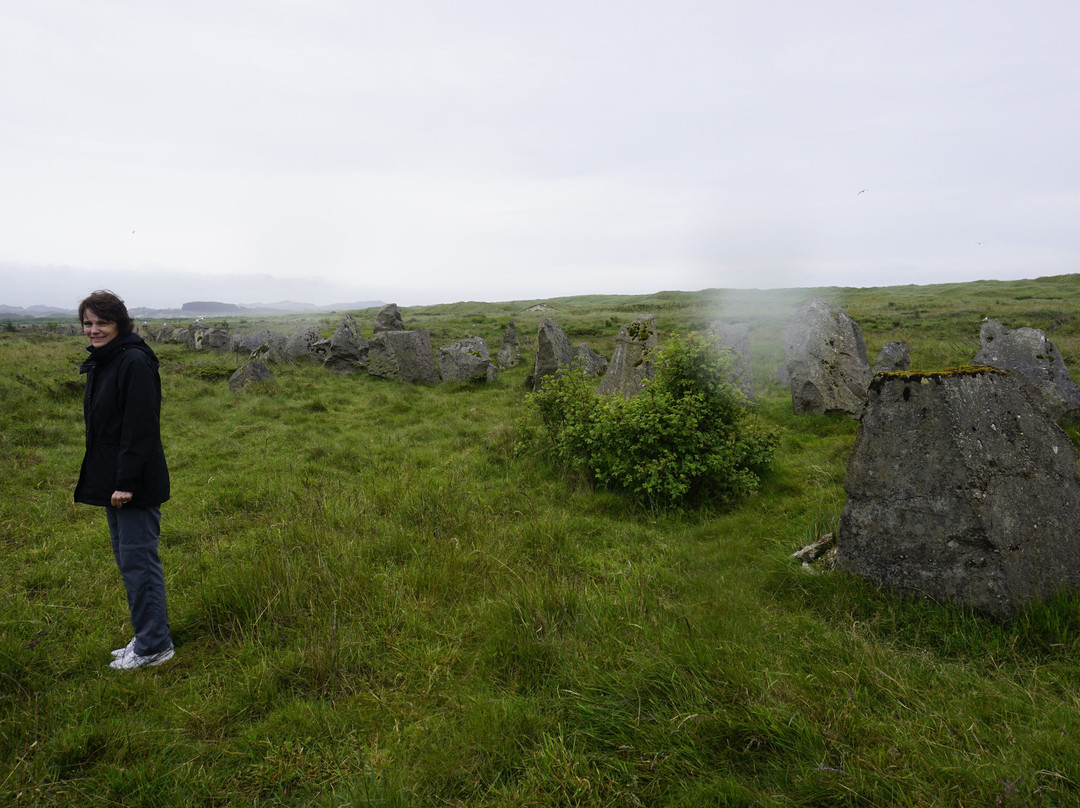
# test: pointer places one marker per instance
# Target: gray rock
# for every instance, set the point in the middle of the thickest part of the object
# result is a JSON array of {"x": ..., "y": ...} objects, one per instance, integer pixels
[
  {"x": 404, "y": 355},
  {"x": 304, "y": 344},
  {"x": 389, "y": 319},
  {"x": 553, "y": 351},
  {"x": 893, "y": 356},
  {"x": 264, "y": 344},
  {"x": 735, "y": 337},
  {"x": 196, "y": 332},
  {"x": 629, "y": 366},
  {"x": 466, "y": 360},
  {"x": 346, "y": 350},
  {"x": 217, "y": 340},
  {"x": 961, "y": 487},
  {"x": 826, "y": 361},
  {"x": 1028, "y": 353},
  {"x": 510, "y": 352},
  {"x": 251, "y": 372},
  {"x": 592, "y": 363}
]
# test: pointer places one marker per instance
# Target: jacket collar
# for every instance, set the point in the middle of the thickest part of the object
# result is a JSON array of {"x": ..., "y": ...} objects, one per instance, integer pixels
[{"x": 99, "y": 357}]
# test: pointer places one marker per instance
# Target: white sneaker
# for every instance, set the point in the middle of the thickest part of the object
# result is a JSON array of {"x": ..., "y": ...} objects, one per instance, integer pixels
[
  {"x": 127, "y": 649},
  {"x": 130, "y": 660}
]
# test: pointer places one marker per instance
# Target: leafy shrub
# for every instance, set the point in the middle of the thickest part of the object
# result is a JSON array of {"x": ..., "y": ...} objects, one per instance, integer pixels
[{"x": 688, "y": 438}]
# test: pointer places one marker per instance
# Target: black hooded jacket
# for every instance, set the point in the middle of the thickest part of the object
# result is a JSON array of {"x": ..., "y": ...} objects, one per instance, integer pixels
[{"x": 122, "y": 410}]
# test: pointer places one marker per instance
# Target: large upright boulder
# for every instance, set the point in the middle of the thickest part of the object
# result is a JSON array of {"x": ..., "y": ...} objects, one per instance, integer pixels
[
  {"x": 346, "y": 350},
  {"x": 389, "y": 319},
  {"x": 962, "y": 487},
  {"x": 466, "y": 360},
  {"x": 1028, "y": 353},
  {"x": 735, "y": 337},
  {"x": 403, "y": 355},
  {"x": 630, "y": 365},
  {"x": 826, "y": 361},
  {"x": 553, "y": 351}
]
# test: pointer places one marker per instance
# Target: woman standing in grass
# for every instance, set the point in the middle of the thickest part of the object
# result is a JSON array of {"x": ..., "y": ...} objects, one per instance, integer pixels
[{"x": 124, "y": 467}]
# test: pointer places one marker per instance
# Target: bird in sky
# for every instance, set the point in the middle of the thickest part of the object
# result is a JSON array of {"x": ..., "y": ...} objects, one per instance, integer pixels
[{"x": 863, "y": 191}]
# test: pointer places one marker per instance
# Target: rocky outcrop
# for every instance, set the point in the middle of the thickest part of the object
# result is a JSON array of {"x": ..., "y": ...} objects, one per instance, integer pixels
[
  {"x": 826, "y": 361},
  {"x": 404, "y": 355},
  {"x": 893, "y": 356},
  {"x": 553, "y": 351},
  {"x": 509, "y": 352},
  {"x": 346, "y": 350},
  {"x": 735, "y": 337},
  {"x": 466, "y": 360},
  {"x": 630, "y": 365},
  {"x": 1027, "y": 353},
  {"x": 251, "y": 372},
  {"x": 961, "y": 487}
]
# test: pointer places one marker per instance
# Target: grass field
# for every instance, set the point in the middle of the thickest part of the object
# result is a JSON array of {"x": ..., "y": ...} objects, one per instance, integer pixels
[{"x": 377, "y": 602}]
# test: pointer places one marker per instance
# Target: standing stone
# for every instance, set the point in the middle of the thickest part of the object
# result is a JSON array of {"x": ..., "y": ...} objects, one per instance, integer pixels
[
  {"x": 826, "y": 361},
  {"x": 251, "y": 372},
  {"x": 302, "y": 345},
  {"x": 466, "y": 360},
  {"x": 196, "y": 332},
  {"x": 1030, "y": 355},
  {"x": 510, "y": 353},
  {"x": 346, "y": 350},
  {"x": 389, "y": 319},
  {"x": 961, "y": 487},
  {"x": 893, "y": 356},
  {"x": 404, "y": 355},
  {"x": 736, "y": 338},
  {"x": 592, "y": 363},
  {"x": 553, "y": 351},
  {"x": 630, "y": 366}
]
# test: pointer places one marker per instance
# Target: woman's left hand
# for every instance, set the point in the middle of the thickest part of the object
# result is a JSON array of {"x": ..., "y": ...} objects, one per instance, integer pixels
[{"x": 121, "y": 498}]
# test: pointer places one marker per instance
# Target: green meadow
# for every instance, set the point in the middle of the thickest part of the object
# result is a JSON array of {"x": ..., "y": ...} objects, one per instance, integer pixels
[{"x": 377, "y": 600}]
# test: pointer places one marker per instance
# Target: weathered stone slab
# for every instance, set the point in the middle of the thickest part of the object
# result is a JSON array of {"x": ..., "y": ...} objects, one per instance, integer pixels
[
  {"x": 1028, "y": 353},
  {"x": 735, "y": 337},
  {"x": 630, "y": 366},
  {"x": 466, "y": 360},
  {"x": 962, "y": 487},
  {"x": 251, "y": 372},
  {"x": 553, "y": 351},
  {"x": 403, "y": 355},
  {"x": 826, "y": 361}
]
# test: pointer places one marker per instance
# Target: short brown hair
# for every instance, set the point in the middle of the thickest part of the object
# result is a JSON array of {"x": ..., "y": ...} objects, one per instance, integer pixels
[{"x": 109, "y": 307}]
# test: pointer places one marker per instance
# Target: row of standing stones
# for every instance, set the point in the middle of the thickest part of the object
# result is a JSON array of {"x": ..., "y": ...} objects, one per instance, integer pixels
[{"x": 961, "y": 485}]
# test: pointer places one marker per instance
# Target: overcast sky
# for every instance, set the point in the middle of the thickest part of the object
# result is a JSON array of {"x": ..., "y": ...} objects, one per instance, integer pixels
[{"x": 439, "y": 150}]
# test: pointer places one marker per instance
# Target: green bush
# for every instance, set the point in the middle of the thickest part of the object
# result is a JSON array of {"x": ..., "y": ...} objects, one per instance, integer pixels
[{"x": 687, "y": 439}]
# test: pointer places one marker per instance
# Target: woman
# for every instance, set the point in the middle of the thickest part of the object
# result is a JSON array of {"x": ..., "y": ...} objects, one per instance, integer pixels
[{"x": 124, "y": 468}]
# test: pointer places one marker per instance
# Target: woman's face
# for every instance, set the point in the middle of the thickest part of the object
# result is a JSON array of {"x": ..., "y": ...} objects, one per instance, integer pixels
[{"x": 98, "y": 331}]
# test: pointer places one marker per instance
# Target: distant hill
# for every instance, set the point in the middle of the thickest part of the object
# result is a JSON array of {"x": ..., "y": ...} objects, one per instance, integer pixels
[{"x": 196, "y": 308}]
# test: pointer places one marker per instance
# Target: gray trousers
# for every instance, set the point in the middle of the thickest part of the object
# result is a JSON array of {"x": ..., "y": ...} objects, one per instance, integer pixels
[{"x": 134, "y": 533}]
